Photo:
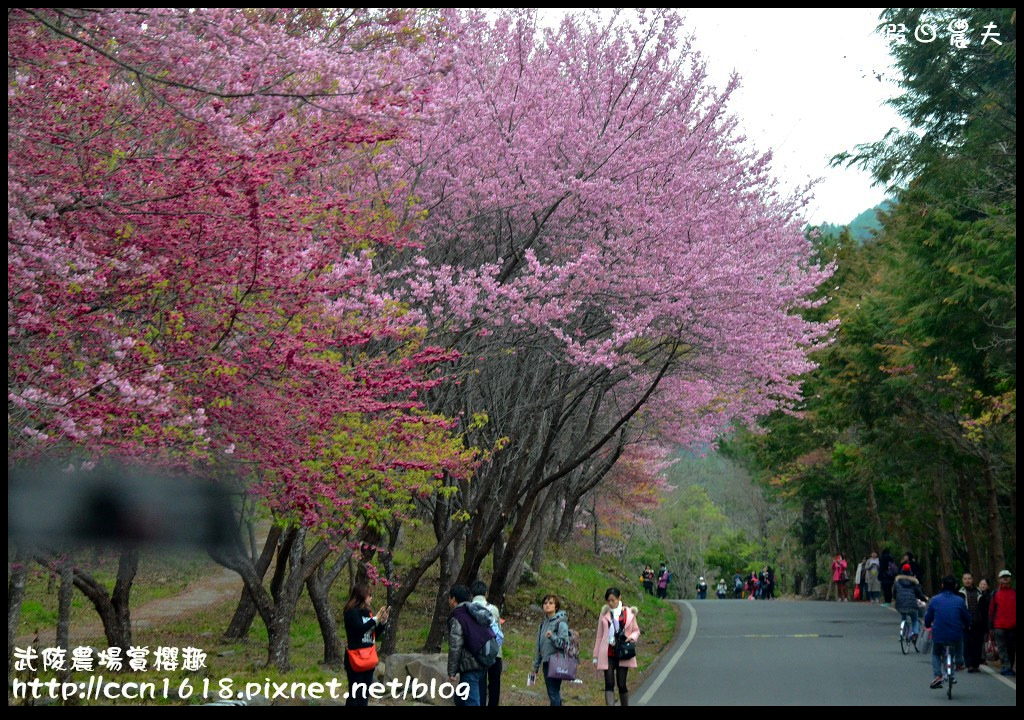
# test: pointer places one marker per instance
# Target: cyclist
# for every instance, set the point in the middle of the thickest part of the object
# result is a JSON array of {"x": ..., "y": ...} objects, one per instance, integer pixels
[
  {"x": 948, "y": 617},
  {"x": 906, "y": 591}
]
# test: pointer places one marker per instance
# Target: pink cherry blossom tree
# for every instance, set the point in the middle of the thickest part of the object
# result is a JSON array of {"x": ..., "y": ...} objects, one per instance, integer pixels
[{"x": 607, "y": 254}]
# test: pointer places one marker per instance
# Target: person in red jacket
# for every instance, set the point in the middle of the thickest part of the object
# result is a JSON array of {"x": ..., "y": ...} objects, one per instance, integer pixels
[{"x": 1002, "y": 618}]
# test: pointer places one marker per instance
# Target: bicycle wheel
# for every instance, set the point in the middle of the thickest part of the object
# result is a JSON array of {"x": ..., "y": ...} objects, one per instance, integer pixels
[
  {"x": 949, "y": 674},
  {"x": 904, "y": 638}
]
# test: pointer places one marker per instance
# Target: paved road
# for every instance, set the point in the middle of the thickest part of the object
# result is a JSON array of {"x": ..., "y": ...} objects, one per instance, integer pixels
[{"x": 735, "y": 652}]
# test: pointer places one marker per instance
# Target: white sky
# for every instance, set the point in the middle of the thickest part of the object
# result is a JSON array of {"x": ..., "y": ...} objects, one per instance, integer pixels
[{"x": 809, "y": 89}]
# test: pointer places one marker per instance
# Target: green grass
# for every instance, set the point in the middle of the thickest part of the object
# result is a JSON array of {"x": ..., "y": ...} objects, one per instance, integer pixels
[{"x": 159, "y": 576}]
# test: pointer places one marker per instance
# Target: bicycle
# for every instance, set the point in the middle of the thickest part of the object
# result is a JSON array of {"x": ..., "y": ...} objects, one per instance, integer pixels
[
  {"x": 907, "y": 638},
  {"x": 947, "y": 671}
]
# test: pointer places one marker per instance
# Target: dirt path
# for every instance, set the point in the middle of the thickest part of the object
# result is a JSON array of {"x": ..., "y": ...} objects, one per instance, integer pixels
[{"x": 211, "y": 590}]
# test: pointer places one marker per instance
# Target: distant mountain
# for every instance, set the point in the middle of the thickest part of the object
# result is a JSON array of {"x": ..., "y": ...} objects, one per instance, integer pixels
[
  {"x": 861, "y": 227},
  {"x": 866, "y": 224}
]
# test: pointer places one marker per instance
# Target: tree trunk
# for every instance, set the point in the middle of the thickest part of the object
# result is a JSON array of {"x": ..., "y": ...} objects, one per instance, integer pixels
[
  {"x": 449, "y": 573},
  {"x": 65, "y": 594},
  {"x": 942, "y": 522},
  {"x": 536, "y": 556},
  {"x": 876, "y": 519},
  {"x": 279, "y": 638},
  {"x": 15, "y": 597},
  {"x": 534, "y": 544},
  {"x": 993, "y": 525},
  {"x": 808, "y": 544},
  {"x": 368, "y": 548},
  {"x": 971, "y": 539},
  {"x": 566, "y": 524},
  {"x": 245, "y": 611},
  {"x": 114, "y": 609},
  {"x": 277, "y": 607},
  {"x": 318, "y": 587},
  {"x": 411, "y": 580}
]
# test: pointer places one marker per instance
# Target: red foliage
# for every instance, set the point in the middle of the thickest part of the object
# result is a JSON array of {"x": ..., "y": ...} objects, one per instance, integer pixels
[{"x": 185, "y": 277}]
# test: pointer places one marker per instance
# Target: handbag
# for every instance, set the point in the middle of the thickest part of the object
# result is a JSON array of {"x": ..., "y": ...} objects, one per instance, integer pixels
[
  {"x": 561, "y": 667},
  {"x": 625, "y": 649},
  {"x": 856, "y": 593},
  {"x": 926, "y": 641},
  {"x": 362, "y": 659},
  {"x": 991, "y": 650}
]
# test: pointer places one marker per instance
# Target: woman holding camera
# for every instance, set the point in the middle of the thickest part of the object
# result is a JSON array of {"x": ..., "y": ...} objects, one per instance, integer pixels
[
  {"x": 361, "y": 628},
  {"x": 615, "y": 648}
]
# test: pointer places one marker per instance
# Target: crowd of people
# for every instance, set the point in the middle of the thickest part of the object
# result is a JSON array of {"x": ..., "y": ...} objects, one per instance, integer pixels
[
  {"x": 755, "y": 585},
  {"x": 975, "y": 623},
  {"x": 971, "y": 621},
  {"x": 473, "y": 633}
]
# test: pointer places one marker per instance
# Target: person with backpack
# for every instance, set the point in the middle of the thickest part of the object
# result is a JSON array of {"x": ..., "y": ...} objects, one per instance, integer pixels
[
  {"x": 615, "y": 646},
  {"x": 490, "y": 681},
  {"x": 664, "y": 578},
  {"x": 472, "y": 646},
  {"x": 647, "y": 578},
  {"x": 737, "y": 586},
  {"x": 552, "y": 638}
]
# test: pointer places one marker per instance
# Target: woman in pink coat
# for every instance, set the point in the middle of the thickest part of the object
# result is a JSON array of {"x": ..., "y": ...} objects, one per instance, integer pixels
[
  {"x": 840, "y": 577},
  {"x": 615, "y": 619}
]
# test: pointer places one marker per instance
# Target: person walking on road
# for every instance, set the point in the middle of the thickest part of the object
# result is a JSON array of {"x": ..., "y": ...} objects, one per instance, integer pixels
[
  {"x": 874, "y": 583},
  {"x": 975, "y": 637},
  {"x": 1002, "y": 618},
  {"x": 615, "y": 624}
]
